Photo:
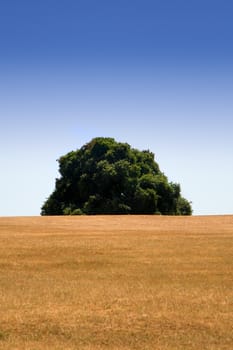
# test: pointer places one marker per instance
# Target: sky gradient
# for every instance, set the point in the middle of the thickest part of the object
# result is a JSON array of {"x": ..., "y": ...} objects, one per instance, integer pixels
[{"x": 155, "y": 74}]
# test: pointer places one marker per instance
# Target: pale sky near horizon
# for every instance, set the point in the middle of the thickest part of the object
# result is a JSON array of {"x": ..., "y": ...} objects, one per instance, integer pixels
[{"x": 154, "y": 74}]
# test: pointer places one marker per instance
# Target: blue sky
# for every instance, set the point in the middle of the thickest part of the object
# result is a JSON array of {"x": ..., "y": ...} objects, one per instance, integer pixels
[{"x": 155, "y": 74}]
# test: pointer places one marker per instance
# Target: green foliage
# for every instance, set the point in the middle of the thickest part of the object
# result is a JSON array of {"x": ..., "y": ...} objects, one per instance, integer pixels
[{"x": 107, "y": 177}]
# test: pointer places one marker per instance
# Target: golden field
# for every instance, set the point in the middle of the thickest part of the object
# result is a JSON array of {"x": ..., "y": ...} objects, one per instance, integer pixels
[{"x": 116, "y": 282}]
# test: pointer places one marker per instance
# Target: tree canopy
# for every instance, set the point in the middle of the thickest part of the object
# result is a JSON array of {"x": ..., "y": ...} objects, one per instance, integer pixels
[{"x": 108, "y": 177}]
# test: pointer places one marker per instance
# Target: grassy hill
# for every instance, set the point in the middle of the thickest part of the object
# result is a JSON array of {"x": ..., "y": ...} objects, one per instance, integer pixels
[{"x": 116, "y": 282}]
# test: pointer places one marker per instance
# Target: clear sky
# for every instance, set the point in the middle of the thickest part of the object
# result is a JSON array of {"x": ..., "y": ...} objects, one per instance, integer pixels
[{"x": 157, "y": 74}]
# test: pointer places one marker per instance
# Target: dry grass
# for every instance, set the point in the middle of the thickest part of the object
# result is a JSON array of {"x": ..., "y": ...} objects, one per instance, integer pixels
[{"x": 116, "y": 282}]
